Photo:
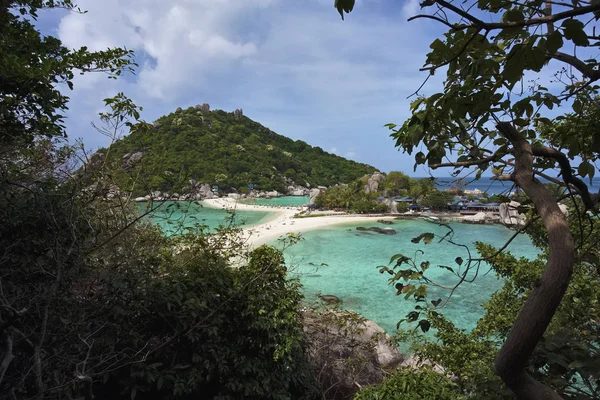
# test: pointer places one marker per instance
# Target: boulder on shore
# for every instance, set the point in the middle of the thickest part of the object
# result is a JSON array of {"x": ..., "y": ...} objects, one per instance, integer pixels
[{"x": 349, "y": 350}]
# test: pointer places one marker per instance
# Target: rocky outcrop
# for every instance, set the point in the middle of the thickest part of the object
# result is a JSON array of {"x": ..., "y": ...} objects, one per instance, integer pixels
[
  {"x": 373, "y": 183},
  {"x": 238, "y": 113},
  {"x": 349, "y": 351},
  {"x": 273, "y": 193},
  {"x": 130, "y": 159},
  {"x": 313, "y": 194},
  {"x": 392, "y": 205},
  {"x": 509, "y": 214},
  {"x": 95, "y": 161},
  {"x": 294, "y": 190},
  {"x": 198, "y": 191},
  {"x": 234, "y": 196}
]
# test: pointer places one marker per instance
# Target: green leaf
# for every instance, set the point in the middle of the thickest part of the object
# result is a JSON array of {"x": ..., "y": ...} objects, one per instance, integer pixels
[
  {"x": 400, "y": 257},
  {"x": 586, "y": 169},
  {"x": 344, "y": 5},
  {"x": 436, "y": 302},
  {"x": 458, "y": 260},
  {"x": 554, "y": 42},
  {"x": 447, "y": 267},
  {"x": 574, "y": 31},
  {"x": 424, "y": 325}
]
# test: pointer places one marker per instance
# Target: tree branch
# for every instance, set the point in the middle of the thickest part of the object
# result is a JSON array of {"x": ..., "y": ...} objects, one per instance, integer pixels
[
  {"x": 541, "y": 304},
  {"x": 587, "y": 70},
  {"x": 513, "y": 24},
  {"x": 469, "y": 163},
  {"x": 565, "y": 169},
  {"x": 8, "y": 354}
]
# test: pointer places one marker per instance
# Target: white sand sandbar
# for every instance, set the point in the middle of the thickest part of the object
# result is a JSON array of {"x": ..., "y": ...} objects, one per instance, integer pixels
[{"x": 285, "y": 223}]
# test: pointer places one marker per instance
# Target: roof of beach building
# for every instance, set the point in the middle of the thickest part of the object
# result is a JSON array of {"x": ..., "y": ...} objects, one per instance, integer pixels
[
  {"x": 481, "y": 205},
  {"x": 409, "y": 199}
]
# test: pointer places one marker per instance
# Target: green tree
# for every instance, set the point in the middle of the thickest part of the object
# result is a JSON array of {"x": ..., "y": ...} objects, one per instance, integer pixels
[
  {"x": 437, "y": 200},
  {"x": 32, "y": 66},
  {"x": 485, "y": 117},
  {"x": 397, "y": 183}
]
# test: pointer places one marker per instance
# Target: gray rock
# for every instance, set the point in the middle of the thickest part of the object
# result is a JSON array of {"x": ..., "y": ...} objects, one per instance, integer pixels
[
  {"x": 373, "y": 183},
  {"x": 329, "y": 298},
  {"x": 273, "y": 193},
  {"x": 235, "y": 196},
  {"x": 95, "y": 160},
  {"x": 140, "y": 199},
  {"x": 130, "y": 159},
  {"x": 313, "y": 194},
  {"x": 509, "y": 214},
  {"x": 348, "y": 350}
]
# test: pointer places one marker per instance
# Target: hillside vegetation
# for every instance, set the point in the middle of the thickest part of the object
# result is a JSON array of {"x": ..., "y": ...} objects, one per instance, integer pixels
[{"x": 228, "y": 149}]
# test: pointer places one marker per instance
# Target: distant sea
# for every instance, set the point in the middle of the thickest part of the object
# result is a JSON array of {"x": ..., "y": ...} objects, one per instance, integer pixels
[{"x": 493, "y": 186}]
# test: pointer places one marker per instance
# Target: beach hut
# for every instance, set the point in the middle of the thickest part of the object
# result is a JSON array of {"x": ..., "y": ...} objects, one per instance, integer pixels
[{"x": 414, "y": 207}]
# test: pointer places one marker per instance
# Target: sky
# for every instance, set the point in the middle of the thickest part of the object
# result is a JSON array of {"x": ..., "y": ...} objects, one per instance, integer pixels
[{"x": 293, "y": 66}]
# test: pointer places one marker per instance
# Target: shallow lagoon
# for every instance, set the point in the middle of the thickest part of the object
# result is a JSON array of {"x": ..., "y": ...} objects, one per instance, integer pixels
[
  {"x": 171, "y": 216},
  {"x": 352, "y": 258},
  {"x": 285, "y": 201}
]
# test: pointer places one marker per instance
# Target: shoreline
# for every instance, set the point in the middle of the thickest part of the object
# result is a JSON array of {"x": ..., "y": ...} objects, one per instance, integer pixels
[{"x": 284, "y": 223}]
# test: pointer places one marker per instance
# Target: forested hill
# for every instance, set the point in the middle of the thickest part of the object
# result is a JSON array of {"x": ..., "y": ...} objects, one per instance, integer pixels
[{"x": 228, "y": 149}]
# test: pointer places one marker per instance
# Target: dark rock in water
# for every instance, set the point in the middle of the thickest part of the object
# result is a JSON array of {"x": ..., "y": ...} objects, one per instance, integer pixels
[
  {"x": 329, "y": 298},
  {"x": 383, "y": 231},
  {"x": 385, "y": 222}
]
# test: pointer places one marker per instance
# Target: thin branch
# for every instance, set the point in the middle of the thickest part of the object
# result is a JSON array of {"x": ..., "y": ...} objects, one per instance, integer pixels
[
  {"x": 514, "y": 24},
  {"x": 455, "y": 57},
  {"x": 587, "y": 70}
]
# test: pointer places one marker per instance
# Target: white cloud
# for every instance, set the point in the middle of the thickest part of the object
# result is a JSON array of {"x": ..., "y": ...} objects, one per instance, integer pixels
[
  {"x": 296, "y": 68},
  {"x": 410, "y": 8}
]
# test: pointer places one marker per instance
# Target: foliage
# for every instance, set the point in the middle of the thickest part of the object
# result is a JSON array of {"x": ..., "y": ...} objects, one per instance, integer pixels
[
  {"x": 397, "y": 184},
  {"x": 408, "y": 384},
  {"x": 566, "y": 359},
  {"x": 364, "y": 206},
  {"x": 144, "y": 315},
  {"x": 33, "y": 66},
  {"x": 437, "y": 200},
  {"x": 402, "y": 207},
  {"x": 350, "y": 197},
  {"x": 230, "y": 151},
  {"x": 490, "y": 116}
]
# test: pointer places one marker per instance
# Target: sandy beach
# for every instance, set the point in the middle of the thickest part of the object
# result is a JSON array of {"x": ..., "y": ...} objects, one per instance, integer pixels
[{"x": 284, "y": 222}]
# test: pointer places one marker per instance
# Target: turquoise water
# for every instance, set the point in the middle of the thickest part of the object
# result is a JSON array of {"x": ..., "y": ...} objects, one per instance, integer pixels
[
  {"x": 352, "y": 258},
  {"x": 172, "y": 216},
  {"x": 279, "y": 201}
]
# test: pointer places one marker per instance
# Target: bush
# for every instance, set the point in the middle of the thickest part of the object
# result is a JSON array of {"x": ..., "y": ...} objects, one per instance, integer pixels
[
  {"x": 408, "y": 384},
  {"x": 365, "y": 206}
]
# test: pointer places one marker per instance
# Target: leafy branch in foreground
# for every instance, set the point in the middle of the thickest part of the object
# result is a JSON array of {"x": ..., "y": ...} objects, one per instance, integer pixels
[{"x": 488, "y": 117}]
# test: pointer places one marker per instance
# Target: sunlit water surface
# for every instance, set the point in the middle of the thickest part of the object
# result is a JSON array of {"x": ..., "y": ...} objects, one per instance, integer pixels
[{"x": 352, "y": 258}]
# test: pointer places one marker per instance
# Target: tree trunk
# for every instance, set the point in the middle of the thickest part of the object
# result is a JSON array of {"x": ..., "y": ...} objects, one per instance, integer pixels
[{"x": 538, "y": 310}]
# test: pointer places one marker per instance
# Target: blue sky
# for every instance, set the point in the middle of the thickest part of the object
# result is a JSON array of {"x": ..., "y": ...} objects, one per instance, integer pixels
[{"x": 293, "y": 66}]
